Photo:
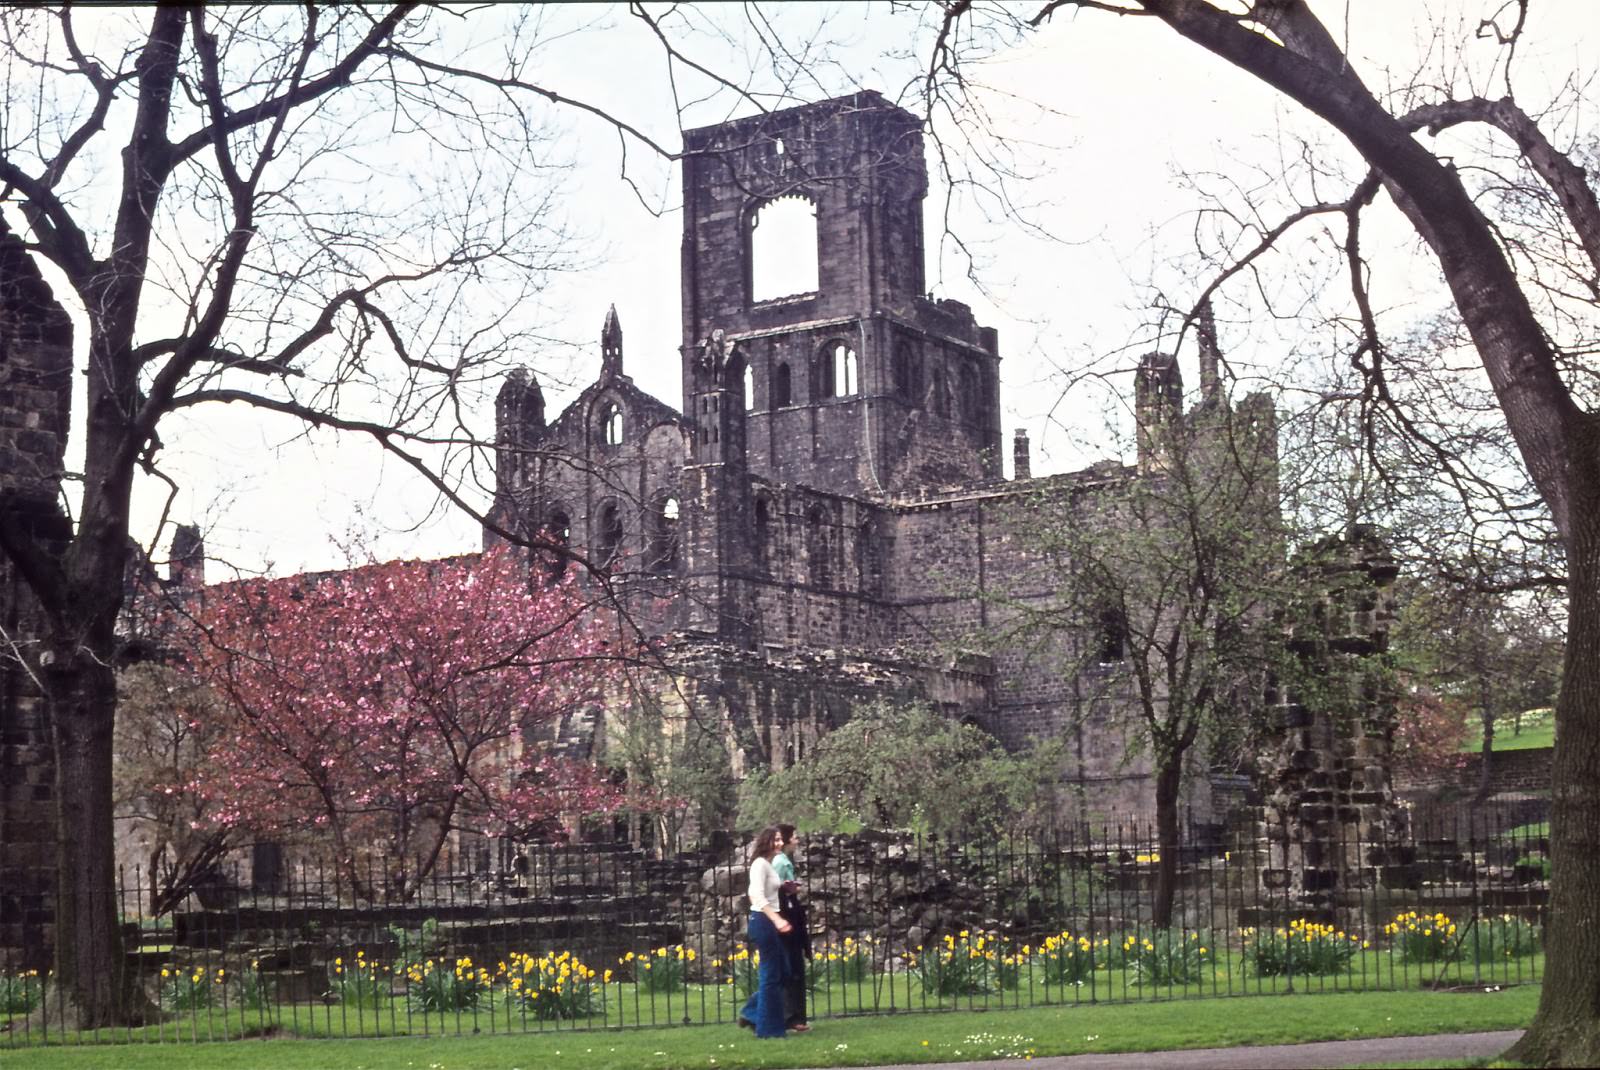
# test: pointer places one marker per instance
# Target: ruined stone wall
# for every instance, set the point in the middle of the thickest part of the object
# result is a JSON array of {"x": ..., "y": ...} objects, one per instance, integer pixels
[{"x": 35, "y": 398}]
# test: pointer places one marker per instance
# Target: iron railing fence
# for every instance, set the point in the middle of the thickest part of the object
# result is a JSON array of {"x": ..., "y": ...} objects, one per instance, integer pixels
[{"x": 520, "y": 938}]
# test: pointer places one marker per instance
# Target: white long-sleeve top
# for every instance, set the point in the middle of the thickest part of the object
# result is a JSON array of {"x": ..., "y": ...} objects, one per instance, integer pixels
[{"x": 763, "y": 885}]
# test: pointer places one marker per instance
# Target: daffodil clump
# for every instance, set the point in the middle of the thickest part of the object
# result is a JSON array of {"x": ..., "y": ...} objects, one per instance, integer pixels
[
  {"x": 850, "y": 963},
  {"x": 661, "y": 969},
  {"x": 968, "y": 964},
  {"x": 553, "y": 986},
  {"x": 250, "y": 988},
  {"x": 740, "y": 972},
  {"x": 191, "y": 988},
  {"x": 1423, "y": 937},
  {"x": 358, "y": 982},
  {"x": 1065, "y": 959},
  {"x": 1501, "y": 937},
  {"x": 20, "y": 992},
  {"x": 437, "y": 986},
  {"x": 1303, "y": 947},
  {"x": 1164, "y": 957}
]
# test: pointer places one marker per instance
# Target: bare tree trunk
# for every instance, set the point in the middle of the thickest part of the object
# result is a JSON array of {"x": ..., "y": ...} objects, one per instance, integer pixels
[
  {"x": 1566, "y": 1030},
  {"x": 91, "y": 967},
  {"x": 1486, "y": 758},
  {"x": 1168, "y": 778}
]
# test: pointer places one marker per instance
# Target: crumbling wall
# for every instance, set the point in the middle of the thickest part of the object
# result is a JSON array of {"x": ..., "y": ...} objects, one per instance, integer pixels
[{"x": 1330, "y": 809}]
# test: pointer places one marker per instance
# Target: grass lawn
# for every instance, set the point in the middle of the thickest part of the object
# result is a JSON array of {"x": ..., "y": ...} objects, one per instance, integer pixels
[
  {"x": 862, "y": 1041},
  {"x": 1538, "y": 730}
]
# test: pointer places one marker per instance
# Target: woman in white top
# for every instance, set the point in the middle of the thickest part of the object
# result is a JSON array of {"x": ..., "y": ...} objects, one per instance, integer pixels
[{"x": 764, "y": 1011}]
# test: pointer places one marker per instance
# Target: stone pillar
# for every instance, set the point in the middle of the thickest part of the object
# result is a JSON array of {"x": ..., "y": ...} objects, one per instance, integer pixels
[
  {"x": 1021, "y": 465},
  {"x": 1331, "y": 821}
]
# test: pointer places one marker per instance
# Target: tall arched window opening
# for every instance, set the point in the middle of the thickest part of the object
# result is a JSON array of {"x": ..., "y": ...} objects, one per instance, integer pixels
[
  {"x": 558, "y": 533},
  {"x": 608, "y": 535},
  {"x": 906, "y": 377},
  {"x": 611, "y": 424},
  {"x": 664, "y": 534},
  {"x": 836, "y": 375},
  {"x": 763, "y": 536},
  {"x": 749, "y": 381},
  {"x": 782, "y": 387},
  {"x": 819, "y": 564},
  {"x": 783, "y": 248}
]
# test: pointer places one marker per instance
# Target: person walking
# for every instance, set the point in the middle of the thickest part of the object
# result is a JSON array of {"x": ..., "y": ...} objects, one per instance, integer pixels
[
  {"x": 797, "y": 941},
  {"x": 764, "y": 1010}
]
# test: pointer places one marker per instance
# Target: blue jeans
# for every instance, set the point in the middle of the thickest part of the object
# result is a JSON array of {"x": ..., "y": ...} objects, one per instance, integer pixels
[{"x": 765, "y": 1007}]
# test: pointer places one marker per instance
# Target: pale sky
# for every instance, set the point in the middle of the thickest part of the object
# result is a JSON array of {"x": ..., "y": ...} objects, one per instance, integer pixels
[{"x": 1103, "y": 114}]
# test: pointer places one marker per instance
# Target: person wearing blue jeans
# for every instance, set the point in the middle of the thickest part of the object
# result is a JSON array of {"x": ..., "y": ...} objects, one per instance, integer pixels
[{"x": 764, "y": 1010}]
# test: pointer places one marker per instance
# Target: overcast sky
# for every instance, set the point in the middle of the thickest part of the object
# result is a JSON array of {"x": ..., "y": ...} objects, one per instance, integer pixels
[{"x": 1108, "y": 120}]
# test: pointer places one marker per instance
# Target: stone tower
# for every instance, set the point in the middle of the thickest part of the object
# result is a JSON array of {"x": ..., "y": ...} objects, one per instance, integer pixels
[{"x": 859, "y": 384}]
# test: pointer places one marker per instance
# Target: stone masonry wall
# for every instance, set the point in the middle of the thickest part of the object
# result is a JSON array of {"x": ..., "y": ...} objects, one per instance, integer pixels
[{"x": 35, "y": 394}]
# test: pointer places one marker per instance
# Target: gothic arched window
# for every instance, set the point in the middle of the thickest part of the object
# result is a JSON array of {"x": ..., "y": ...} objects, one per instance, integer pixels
[
  {"x": 782, "y": 387},
  {"x": 664, "y": 533},
  {"x": 608, "y": 535},
  {"x": 819, "y": 564},
  {"x": 611, "y": 424},
  {"x": 835, "y": 373}
]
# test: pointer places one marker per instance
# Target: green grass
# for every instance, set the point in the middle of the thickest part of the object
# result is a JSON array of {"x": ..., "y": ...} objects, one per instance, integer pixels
[
  {"x": 1538, "y": 731},
  {"x": 862, "y": 1041}
]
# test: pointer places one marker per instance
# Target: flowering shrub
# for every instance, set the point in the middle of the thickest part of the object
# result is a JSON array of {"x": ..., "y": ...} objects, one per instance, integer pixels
[
  {"x": 358, "y": 983},
  {"x": 1504, "y": 936},
  {"x": 1423, "y": 937},
  {"x": 190, "y": 988},
  {"x": 664, "y": 969},
  {"x": 1305, "y": 947},
  {"x": 437, "y": 988},
  {"x": 1165, "y": 957},
  {"x": 554, "y": 986},
  {"x": 20, "y": 993},
  {"x": 1068, "y": 960}
]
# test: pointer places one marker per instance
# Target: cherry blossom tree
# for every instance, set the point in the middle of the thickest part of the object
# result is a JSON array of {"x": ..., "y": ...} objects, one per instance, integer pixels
[{"x": 388, "y": 707}]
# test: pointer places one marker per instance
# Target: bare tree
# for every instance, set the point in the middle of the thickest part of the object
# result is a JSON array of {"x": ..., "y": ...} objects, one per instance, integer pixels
[
  {"x": 1165, "y": 586},
  {"x": 210, "y": 185},
  {"x": 1529, "y": 316}
]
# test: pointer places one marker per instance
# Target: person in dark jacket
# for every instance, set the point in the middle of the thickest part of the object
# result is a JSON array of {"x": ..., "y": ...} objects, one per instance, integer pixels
[{"x": 797, "y": 941}]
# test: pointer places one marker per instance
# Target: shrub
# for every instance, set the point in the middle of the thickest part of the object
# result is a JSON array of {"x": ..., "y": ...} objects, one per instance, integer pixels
[
  {"x": 436, "y": 988},
  {"x": 21, "y": 992},
  {"x": 1424, "y": 937},
  {"x": 1305, "y": 947},
  {"x": 553, "y": 986},
  {"x": 1166, "y": 957}
]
